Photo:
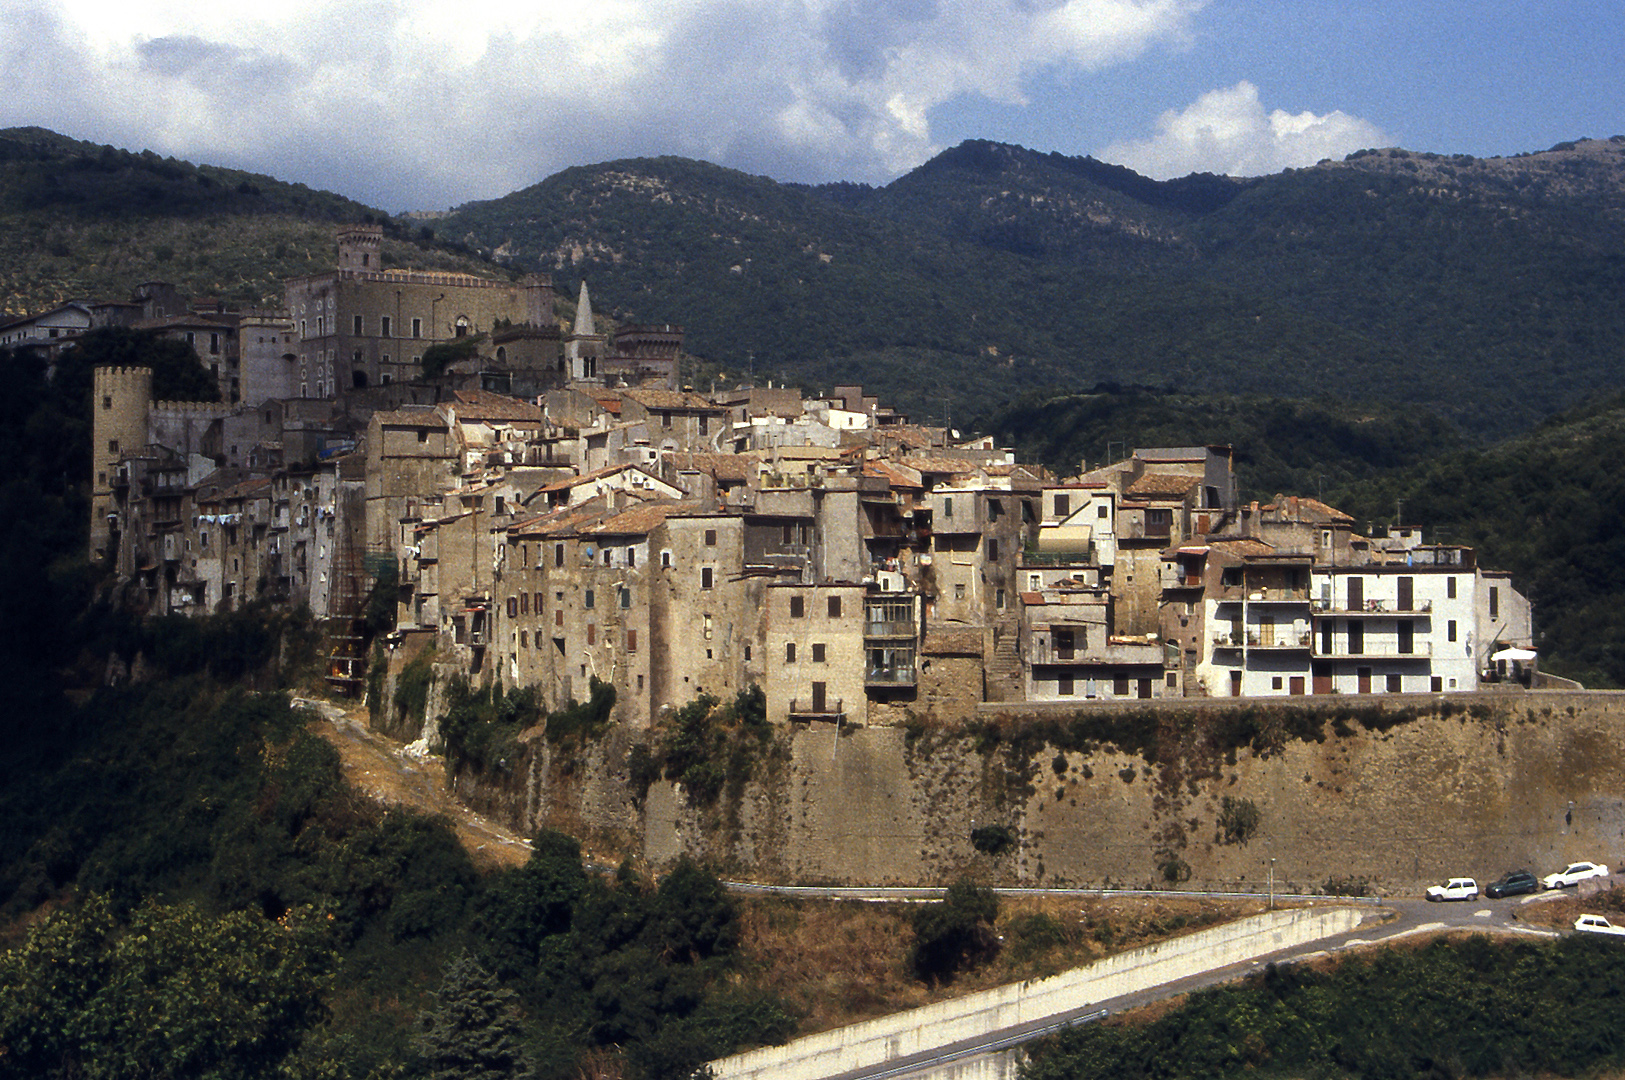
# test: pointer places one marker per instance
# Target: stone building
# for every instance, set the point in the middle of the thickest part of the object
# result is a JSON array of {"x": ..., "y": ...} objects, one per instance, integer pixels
[{"x": 361, "y": 325}]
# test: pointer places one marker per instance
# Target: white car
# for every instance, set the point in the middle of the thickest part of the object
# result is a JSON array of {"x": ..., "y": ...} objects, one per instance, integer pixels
[
  {"x": 1598, "y": 924},
  {"x": 1573, "y": 874},
  {"x": 1457, "y": 888}
]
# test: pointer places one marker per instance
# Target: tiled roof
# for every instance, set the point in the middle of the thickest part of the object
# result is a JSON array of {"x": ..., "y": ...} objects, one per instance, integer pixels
[
  {"x": 485, "y": 405},
  {"x": 1163, "y": 484},
  {"x": 651, "y": 398},
  {"x": 638, "y": 520}
]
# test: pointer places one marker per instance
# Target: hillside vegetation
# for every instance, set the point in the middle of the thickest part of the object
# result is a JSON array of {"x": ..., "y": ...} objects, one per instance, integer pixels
[
  {"x": 1487, "y": 290},
  {"x": 80, "y": 221}
]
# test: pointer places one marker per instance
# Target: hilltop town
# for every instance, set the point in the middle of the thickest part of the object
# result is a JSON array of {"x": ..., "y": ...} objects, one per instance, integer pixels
[{"x": 553, "y": 509}]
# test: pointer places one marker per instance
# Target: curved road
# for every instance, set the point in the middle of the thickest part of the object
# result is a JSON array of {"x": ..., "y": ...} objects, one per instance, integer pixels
[{"x": 1389, "y": 922}]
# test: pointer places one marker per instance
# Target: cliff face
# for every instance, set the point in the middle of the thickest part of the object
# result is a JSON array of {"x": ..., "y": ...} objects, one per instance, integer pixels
[{"x": 1393, "y": 792}]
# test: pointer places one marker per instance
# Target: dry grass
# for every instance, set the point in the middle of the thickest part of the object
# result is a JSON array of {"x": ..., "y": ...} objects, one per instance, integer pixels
[{"x": 839, "y": 962}]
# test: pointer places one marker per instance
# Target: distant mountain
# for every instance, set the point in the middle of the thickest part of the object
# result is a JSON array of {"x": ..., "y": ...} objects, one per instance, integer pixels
[
  {"x": 79, "y": 220},
  {"x": 1486, "y": 290}
]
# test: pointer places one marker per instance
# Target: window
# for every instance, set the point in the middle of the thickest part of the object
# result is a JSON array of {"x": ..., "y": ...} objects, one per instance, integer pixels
[
  {"x": 558, "y": 616},
  {"x": 524, "y": 639},
  {"x": 1394, "y": 684},
  {"x": 798, "y": 607},
  {"x": 1101, "y": 511},
  {"x": 357, "y": 330},
  {"x": 1495, "y": 602},
  {"x": 524, "y": 603},
  {"x": 948, "y": 506},
  {"x": 707, "y": 576},
  {"x": 1063, "y": 506},
  {"x": 1407, "y": 637},
  {"x": 417, "y": 328},
  {"x": 1436, "y": 684},
  {"x": 214, "y": 343},
  {"x": 538, "y": 602},
  {"x": 998, "y": 601},
  {"x": 107, "y": 403},
  {"x": 992, "y": 550},
  {"x": 587, "y": 599},
  {"x": 631, "y": 555},
  {"x": 705, "y": 626},
  {"x": 1120, "y": 684},
  {"x": 631, "y": 641},
  {"x": 665, "y": 559},
  {"x": 1063, "y": 644},
  {"x": 818, "y": 652},
  {"x": 1450, "y": 630},
  {"x": 710, "y": 538},
  {"x": 1064, "y": 686},
  {"x": 558, "y": 554},
  {"x": 788, "y": 536},
  {"x": 1450, "y": 588},
  {"x": 959, "y": 590},
  {"x": 626, "y": 598},
  {"x": 789, "y": 652},
  {"x": 705, "y": 425},
  {"x": 1356, "y": 639},
  {"x": 592, "y": 633},
  {"x": 995, "y": 509},
  {"x": 383, "y": 326},
  {"x": 835, "y": 607},
  {"x": 747, "y": 654},
  {"x": 1275, "y": 683},
  {"x": 1159, "y": 522},
  {"x": 112, "y": 446}
]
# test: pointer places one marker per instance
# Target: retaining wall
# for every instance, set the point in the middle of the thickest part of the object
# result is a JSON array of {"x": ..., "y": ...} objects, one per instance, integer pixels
[{"x": 904, "y": 1034}]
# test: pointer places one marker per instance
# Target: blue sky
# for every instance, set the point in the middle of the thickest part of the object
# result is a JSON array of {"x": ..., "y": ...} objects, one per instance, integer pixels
[{"x": 425, "y": 104}]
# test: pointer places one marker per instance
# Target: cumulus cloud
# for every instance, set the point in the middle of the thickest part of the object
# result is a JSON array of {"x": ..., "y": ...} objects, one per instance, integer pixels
[
  {"x": 429, "y": 102},
  {"x": 1228, "y": 131}
]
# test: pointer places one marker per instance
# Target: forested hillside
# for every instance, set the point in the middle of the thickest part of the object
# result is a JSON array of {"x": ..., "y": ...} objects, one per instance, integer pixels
[
  {"x": 80, "y": 221},
  {"x": 1488, "y": 291}
]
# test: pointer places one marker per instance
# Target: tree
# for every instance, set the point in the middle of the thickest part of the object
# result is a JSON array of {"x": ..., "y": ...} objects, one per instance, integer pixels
[
  {"x": 955, "y": 933},
  {"x": 473, "y": 1033},
  {"x": 175, "y": 993}
]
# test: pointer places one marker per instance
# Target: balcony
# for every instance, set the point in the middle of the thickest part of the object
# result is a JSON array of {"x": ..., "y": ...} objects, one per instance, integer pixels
[
  {"x": 1034, "y": 557},
  {"x": 1370, "y": 608},
  {"x": 901, "y": 675},
  {"x": 889, "y": 628},
  {"x": 1178, "y": 579},
  {"x": 1284, "y": 640},
  {"x": 813, "y": 709},
  {"x": 1377, "y": 650}
]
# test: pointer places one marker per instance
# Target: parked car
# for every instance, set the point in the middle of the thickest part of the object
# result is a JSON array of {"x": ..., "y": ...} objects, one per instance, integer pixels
[
  {"x": 1573, "y": 874},
  {"x": 1598, "y": 924},
  {"x": 1457, "y": 888},
  {"x": 1513, "y": 884}
]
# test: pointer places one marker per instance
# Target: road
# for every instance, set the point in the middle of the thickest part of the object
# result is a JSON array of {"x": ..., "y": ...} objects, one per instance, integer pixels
[{"x": 1392, "y": 921}]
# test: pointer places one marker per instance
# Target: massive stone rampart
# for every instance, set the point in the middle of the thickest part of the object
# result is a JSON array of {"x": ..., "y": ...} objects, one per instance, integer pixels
[{"x": 1392, "y": 791}]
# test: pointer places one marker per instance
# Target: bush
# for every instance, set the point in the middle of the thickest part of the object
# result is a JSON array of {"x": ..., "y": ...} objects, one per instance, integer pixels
[
  {"x": 955, "y": 933},
  {"x": 1238, "y": 820},
  {"x": 993, "y": 839}
]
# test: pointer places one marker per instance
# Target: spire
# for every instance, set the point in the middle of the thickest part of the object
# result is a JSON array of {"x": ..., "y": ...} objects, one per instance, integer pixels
[{"x": 583, "y": 327}]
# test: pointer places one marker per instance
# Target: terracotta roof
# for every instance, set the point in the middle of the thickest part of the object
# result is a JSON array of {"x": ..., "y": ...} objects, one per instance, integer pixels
[
  {"x": 485, "y": 405},
  {"x": 248, "y": 489},
  {"x": 898, "y": 476},
  {"x": 638, "y": 520},
  {"x": 651, "y": 398},
  {"x": 1242, "y": 547},
  {"x": 721, "y": 466},
  {"x": 1163, "y": 484}
]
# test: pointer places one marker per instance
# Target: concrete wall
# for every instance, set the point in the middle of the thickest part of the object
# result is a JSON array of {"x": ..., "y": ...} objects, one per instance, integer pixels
[{"x": 915, "y": 1031}]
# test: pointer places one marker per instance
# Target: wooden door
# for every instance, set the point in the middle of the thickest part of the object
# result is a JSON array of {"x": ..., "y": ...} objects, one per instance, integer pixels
[
  {"x": 818, "y": 696},
  {"x": 1356, "y": 593},
  {"x": 1364, "y": 675},
  {"x": 1407, "y": 594}
]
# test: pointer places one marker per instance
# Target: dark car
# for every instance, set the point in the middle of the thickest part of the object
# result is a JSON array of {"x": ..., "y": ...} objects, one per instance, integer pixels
[{"x": 1521, "y": 881}]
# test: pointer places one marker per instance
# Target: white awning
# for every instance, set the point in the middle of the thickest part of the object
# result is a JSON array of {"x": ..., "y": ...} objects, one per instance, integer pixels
[{"x": 1514, "y": 654}]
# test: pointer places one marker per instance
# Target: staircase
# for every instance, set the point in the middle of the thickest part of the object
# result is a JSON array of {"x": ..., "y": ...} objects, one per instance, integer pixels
[{"x": 1003, "y": 668}]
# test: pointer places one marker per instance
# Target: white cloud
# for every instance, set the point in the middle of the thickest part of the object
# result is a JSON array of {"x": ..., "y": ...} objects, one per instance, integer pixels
[
  {"x": 429, "y": 102},
  {"x": 1227, "y": 131}
]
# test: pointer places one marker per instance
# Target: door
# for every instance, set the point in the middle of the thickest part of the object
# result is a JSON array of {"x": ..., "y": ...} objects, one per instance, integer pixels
[
  {"x": 1407, "y": 637},
  {"x": 1323, "y": 678},
  {"x": 1235, "y": 684},
  {"x": 1407, "y": 593},
  {"x": 1145, "y": 688},
  {"x": 1356, "y": 593},
  {"x": 1295, "y": 686},
  {"x": 818, "y": 701},
  {"x": 1364, "y": 675}
]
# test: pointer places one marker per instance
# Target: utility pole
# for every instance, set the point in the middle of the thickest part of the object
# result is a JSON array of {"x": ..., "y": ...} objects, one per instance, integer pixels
[{"x": 1272, "y": 883}]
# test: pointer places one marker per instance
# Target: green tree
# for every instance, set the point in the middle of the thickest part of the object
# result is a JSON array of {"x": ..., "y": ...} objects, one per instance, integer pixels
[
  {"x": 473, "y": 1032},
  {"x": 176, "y": 993},
  {"x": 955, "y": 933}
]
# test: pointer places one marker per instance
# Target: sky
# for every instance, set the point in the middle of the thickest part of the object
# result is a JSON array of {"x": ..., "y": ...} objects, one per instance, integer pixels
[{"x": 427, "y": 104}]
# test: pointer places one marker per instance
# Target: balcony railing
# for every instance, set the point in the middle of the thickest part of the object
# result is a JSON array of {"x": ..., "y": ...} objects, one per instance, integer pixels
[
  {"x": 1279, "y": 640},
  {"x": 1034, "y": 557},
  {"x": 805, "y": 707},
  {"x": 1324, "y": 606},
  {"x": 893, "y": 676},
  {"x": 889, "y": 628},
  {"x": 1377, "y": 650}
]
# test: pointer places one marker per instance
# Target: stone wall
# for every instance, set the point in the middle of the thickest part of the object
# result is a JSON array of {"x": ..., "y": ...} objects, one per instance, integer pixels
[{"x": 1397, "y": 792}]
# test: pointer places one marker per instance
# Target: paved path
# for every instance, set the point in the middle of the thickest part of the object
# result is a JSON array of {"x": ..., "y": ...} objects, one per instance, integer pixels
[{"x": 1392, "y": 921}]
